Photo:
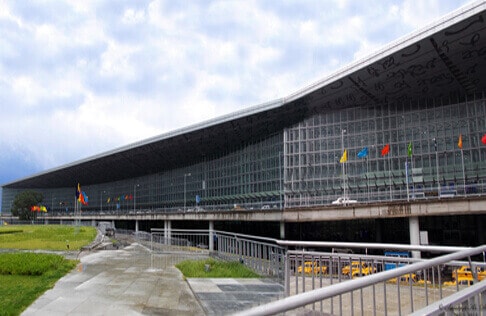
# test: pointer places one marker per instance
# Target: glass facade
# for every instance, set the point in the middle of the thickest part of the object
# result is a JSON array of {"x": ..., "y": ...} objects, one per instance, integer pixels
[
  {"x": 434, "y": 166},
  {"x": 300, "y": 166}
]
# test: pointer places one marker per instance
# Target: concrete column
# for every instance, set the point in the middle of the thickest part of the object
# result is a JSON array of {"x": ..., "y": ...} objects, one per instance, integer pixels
[
  {"x": 93, "y": 223},
  {"x": 282, "y": 230},
  {"x": 136, "y": 225},
  {"x": 60, "y": 222},
  {"x": 414, "y": 231},
  {"x": 46, "y": 221},
  {"x": 112, "y": 223},
  {"x": 211, "y": 235}
]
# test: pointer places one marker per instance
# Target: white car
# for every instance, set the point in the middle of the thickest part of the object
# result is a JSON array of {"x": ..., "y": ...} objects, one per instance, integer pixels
[{"x": 344, "y": 201}]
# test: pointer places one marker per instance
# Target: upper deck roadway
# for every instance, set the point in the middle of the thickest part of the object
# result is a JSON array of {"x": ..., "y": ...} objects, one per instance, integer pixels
[{"x": 387, "y": 209}]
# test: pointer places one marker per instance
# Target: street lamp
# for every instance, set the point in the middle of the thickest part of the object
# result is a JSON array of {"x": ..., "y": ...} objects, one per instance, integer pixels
[
  {"x": 185, "y": 175},
  {"x": 437, "y": 167},
  {"x": 101, "y": 200},
  {"x": 135, "y": 196}
]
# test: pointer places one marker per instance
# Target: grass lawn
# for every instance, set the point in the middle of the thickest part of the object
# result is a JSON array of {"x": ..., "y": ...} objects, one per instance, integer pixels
[
  {"x": 217, "y": 269},
  {"x": 26, "y": 276},
  {"x": 46, "y": 237}
]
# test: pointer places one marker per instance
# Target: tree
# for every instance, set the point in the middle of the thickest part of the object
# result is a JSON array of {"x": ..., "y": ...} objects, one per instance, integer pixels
[{"x": 23, "y": 202}]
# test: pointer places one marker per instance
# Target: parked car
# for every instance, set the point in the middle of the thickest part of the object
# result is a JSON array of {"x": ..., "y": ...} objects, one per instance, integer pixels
[
  {"x": 312, "y": 267},
  {"x": 344, "y": 201},
  {"x": 358, "y": 268}
]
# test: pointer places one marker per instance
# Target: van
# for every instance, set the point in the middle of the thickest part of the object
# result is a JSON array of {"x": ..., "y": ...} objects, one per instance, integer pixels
[{"x": 448, "y": 193}]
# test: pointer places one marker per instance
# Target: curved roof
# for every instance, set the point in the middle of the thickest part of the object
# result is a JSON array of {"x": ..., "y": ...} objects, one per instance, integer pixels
[{"x": 446, "y": 59}]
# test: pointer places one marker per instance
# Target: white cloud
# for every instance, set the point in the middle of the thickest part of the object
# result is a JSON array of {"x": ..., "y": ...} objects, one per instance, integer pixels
[{"x": 96, "y": 75}]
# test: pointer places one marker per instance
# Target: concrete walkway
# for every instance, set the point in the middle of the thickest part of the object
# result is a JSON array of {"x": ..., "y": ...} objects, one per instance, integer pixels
[{"x": 133, "y": 281}]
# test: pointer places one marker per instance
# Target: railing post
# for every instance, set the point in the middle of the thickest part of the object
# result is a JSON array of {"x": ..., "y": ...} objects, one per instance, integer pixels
[{"x": 211, "y": 236}]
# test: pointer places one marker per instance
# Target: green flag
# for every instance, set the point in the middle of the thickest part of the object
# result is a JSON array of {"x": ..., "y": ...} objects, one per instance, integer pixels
[{"x": 409, "y": 149}]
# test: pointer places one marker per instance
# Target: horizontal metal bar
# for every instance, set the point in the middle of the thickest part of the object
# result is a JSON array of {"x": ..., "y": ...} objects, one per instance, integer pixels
[
  {"x": 440, "y": 306},
  {"x": 313, "y": 296},
  {"x": 369, "y": 246}
]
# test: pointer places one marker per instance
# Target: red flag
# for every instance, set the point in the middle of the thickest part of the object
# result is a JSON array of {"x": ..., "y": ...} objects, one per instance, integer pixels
[
  {"x": 385, "y": 150},
  {"x": 483, "y": 140},
  {"x": 459, "y": 142}
]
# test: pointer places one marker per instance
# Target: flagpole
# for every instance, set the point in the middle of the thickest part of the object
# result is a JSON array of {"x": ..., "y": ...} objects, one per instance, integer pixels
[
  {"x": 367, "y": 180},
  {"x": 389, "y": 176},
  {"x": 463, "y": 171},
  {"x": 406, "y": 176},
  {"x": 344, "y": 169}
]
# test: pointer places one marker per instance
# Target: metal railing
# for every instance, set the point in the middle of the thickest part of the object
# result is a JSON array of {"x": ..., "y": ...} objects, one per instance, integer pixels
[
  {"x": 261, "y": 254},
  {"x": 401, "y": 290}
]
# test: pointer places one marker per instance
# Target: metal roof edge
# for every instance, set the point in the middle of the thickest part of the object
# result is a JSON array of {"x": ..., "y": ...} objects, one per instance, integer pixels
[
  {"x": 184, "y": 130},
  {"x": 444, "y": 22}
]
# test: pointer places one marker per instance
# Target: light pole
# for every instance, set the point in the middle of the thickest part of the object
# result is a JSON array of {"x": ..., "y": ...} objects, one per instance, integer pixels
[
  {"x": 437, "y": 167},
  {"x": 135, "y": 196},
  {"x": 185, "y": 175},
  {"x": 101, "y": 201}
]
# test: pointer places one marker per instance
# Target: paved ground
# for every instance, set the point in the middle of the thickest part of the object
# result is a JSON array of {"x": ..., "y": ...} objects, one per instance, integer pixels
[
  {"x": 132, "y": 281},
  {"x": 226, "y": 296}
]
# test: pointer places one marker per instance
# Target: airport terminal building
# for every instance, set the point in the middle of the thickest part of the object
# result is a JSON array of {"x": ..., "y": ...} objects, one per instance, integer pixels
[{"x": 407, "y": 123}]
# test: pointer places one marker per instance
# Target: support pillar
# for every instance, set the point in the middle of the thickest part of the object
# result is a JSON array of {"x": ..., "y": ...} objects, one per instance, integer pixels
[
  {"x": 211, "y": 236},
  {"x": 136, "y": 225},
  {"x": 414, "y": 231},
  {"x": 167, "y": 232},
  {"x": 93, "y": 223},
  {"x": 282, "y": 230},
  {"x": 113, "y": 224},
  {"x": 60, "y": 222}
]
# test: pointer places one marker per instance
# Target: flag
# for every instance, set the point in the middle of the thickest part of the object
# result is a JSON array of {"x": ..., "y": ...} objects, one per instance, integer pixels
[
  {"x": 409, "y": 149},
  {"x": 81, "y": 195},
  {"x": 344, "y": 157},
  {"x": 78, "y": 191},
  {"x": 363, "y": 153},
  {"x": 84, "y": 198},
  {"x": 108, "y": 200},
  {"x": 35, "y": 208},
  {"x": 483, "y": 140},
  {"x": 385, "y": 150},
  {"x": 459, "y": 142},
  {"x": 42, "y": 208}
]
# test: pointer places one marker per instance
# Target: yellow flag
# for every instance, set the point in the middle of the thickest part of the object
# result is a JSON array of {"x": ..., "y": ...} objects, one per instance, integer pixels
[{"x": 344, "y": 157}]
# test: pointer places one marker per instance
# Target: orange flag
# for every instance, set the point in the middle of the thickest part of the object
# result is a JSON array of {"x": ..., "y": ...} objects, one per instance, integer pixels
[{"x": 459, "y": 142}]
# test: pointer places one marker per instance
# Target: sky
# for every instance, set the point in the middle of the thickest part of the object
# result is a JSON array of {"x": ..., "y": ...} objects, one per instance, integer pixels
[{"x": 79, "y": 78}]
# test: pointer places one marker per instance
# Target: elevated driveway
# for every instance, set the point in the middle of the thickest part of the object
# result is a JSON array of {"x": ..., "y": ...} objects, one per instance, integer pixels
[{"x": 391, "y": 209}]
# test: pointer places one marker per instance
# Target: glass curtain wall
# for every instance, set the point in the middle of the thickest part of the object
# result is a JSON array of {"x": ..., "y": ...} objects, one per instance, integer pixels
[
  {"x": 247, "y": 178},
  {"x": 423, "y": 159}
]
